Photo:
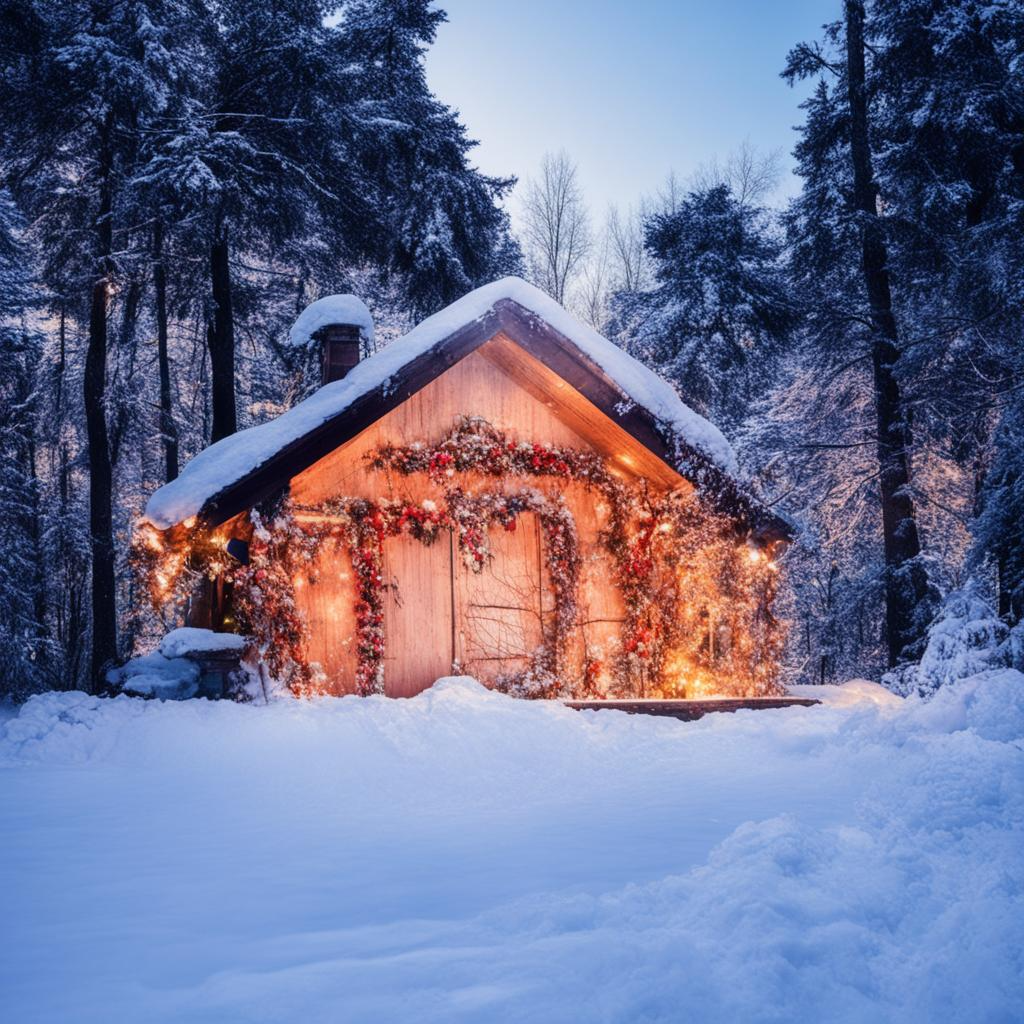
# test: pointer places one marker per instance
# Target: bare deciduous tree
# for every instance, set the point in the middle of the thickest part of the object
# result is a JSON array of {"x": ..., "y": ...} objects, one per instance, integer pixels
[
  {"x": 750, "y": 174},
  {"x": 556, "y": 225},
  {"x": 596, "y": 282},
  {"x": 670, "y": 195},
  {"x": 630, "y": 263}
]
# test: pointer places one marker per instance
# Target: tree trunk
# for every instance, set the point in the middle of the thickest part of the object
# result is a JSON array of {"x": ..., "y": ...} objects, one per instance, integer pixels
[
  {"x": 36, "y": 533},
  {"x": 906, "y": 582},
  {"x": 220, "y": 338},
  {"x": 168, "y": 430},
  {"x": 104, "y": 600},
  {"x": 119, "y": 424}
]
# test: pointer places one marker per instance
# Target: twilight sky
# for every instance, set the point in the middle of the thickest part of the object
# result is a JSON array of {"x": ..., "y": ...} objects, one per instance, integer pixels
[{"x": 630, "y": 88}]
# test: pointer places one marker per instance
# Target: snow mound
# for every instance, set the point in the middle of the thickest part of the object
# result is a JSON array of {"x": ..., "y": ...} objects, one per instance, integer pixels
[
  {"x": 465, "y": 857},
  {"x": 189, "y": 640},
  {"x": 232, "y": 458},
  {"x": 154, "y": 675},
  {"x": 855, "y": 691},
  {"x": 333, "y": 309},
  {"x": 458, "y": 686}
]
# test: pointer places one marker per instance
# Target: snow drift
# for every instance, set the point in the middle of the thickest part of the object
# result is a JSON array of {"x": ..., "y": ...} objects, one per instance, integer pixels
[{"x": 467, "y": 857}]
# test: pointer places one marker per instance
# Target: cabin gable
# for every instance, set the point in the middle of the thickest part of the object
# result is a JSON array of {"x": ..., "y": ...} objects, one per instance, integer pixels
[{"x": 507, "y": 388}]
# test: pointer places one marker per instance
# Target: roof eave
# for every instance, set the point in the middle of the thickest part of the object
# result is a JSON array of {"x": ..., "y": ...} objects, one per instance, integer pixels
[{"x": 558, "y": 352}]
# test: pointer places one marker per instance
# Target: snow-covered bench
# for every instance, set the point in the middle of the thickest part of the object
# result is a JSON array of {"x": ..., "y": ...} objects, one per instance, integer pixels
[{"x": 188, "y": 663}]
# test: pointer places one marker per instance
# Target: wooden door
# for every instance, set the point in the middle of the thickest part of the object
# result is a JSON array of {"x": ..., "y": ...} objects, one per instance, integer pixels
[
  {"x": 500, "y": 611},
  {"x": 325, "y": 596},
  {"x": 436, "y": 609},
  {"x": 602, "y": 610},
  {"x": 418, "y": 614}
]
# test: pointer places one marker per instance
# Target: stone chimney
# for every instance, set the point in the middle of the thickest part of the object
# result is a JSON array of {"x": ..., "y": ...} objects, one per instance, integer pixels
[{"x": 339, "y": 350}]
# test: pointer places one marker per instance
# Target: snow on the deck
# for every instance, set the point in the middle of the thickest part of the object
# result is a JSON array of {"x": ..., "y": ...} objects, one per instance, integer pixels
[
  {"x": 232, "y": 458},
  {"x": 465, "y": 857},
  {"x": 332, "y": 309}
]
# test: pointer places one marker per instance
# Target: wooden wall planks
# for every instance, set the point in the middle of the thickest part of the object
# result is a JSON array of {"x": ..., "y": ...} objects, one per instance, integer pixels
[
  {"x": 438, "y": 610},
  {"x": 327, "y": 598},
  {"x": 417, "y": 614}
]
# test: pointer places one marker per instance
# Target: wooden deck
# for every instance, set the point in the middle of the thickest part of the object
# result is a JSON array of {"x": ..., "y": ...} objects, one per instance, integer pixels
[{"x": 690, "y": 710}]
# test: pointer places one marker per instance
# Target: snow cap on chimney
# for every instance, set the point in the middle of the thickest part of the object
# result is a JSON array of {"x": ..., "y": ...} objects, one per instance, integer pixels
[{"x": 340, "y": 325}]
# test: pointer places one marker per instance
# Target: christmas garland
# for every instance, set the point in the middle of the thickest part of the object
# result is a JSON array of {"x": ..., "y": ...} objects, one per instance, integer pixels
[
  {"x": 474, "y": 446},
  {"x": 287, "y": 539},
  {"x": 671, "y": 555}
]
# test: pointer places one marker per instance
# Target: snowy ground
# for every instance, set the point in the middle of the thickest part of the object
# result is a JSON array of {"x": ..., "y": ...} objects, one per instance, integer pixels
[{"x": 466, "y": 857}]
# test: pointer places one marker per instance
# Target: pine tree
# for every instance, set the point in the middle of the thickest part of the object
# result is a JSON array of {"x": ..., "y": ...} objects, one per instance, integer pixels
[
  {"x": 248, "y": 156},
  {"x": 24, "y": 646},
  {"x": 950, "y": 93},
  {"x": 950, "y": 128},
  {"x": 84, "y": 79},
  {"x": 442, "y": 228},
  {"x": 999, "y": 534},
  {"x": 721, "y": 307},
  {"x": 840, "y": 126}
]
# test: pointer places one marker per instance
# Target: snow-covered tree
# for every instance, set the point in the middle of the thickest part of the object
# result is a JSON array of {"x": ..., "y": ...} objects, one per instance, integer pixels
[
  {"x": 80, "y": 80},
  {"x": 721, "y": 306},
  {"x": 24, "y": 645},
  {"x": 1000, "y": 528},
  {"x": 440, "y": 226},
  {"x": 967, "y": 637},
  {"x": 836, "y": 151},
  {"x": 245, "y": 156},
  {"x": 950, "y": 130}
]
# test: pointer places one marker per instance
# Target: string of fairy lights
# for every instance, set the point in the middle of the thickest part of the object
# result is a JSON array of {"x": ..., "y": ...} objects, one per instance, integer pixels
[{"x": 697, "y": 600}]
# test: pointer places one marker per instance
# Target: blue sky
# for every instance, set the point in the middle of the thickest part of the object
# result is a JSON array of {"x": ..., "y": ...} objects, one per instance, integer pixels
[{"x": 631, "y": 89}]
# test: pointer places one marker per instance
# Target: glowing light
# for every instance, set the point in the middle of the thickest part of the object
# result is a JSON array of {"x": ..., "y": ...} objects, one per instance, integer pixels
[{"x": 695, "y": 594}]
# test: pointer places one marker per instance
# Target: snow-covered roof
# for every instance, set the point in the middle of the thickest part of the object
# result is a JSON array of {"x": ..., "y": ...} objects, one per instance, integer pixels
[
  {"x": 332, "y": 309},
  {"x": 233, "y": 458}
]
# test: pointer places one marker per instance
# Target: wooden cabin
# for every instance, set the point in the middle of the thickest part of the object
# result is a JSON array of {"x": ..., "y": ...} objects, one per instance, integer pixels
[{"x": 501, "y": 493}]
